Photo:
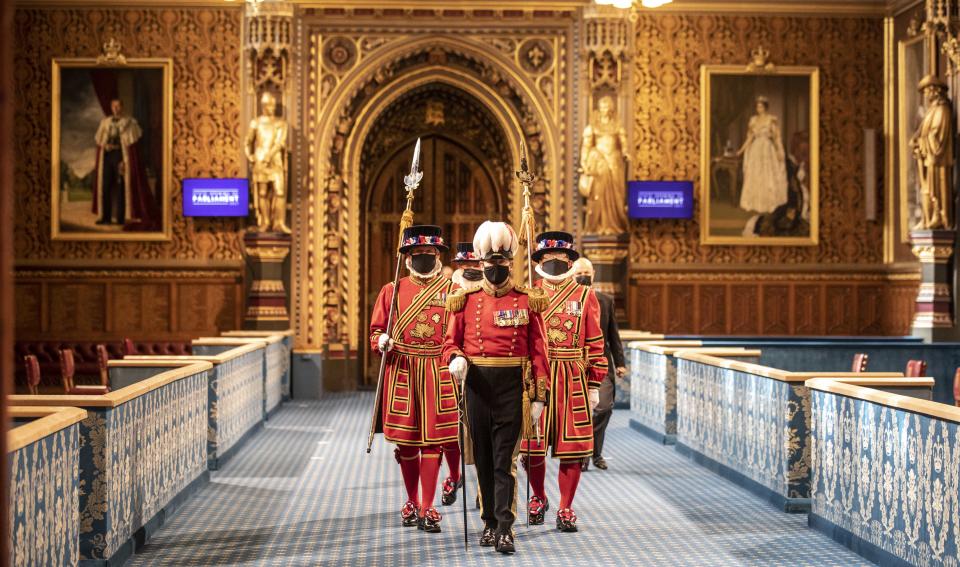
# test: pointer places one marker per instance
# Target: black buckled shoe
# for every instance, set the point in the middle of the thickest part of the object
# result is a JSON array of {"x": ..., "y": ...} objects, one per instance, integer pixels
[
  {"x": 600, "y": 463},
  {"x": 537, "y": 510},
  {"x": 504, "y": 543},
  {"x": 450, "y": 491},
  {"x": 567, "y": 520},
  {"x": 430, "y": 521},
  {"x": 409, "y": 513},
  {"x": 584, "y": 464},
  {"x": 488, "y": 538}
]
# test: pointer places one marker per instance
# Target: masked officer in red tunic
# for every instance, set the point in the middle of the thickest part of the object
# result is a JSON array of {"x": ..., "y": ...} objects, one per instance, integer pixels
[
  {"x": 495, "y": 343},
  {"x": 468, "y": 275},
  {"x": 419, "y": 405},
  {"x": 577, "y": 369}
]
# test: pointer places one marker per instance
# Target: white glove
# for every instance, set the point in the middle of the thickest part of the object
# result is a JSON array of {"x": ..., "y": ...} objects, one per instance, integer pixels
[
  {"x": 385, "y": 343},
  {"x": 458, "y": 368},
  {"x": 594, "y": 399},
  {"x": 536, "y": 410}
]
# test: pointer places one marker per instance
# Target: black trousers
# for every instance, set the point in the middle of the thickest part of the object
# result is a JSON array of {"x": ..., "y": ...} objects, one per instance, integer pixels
[
  {"x": 495, "y": 414},
  {"x": 114, "y": 193},
  {"x": 600, "y": 421}
]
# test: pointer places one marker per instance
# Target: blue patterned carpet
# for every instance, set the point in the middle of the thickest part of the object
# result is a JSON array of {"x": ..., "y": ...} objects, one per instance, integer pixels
[{"x": 303, "y": 492}]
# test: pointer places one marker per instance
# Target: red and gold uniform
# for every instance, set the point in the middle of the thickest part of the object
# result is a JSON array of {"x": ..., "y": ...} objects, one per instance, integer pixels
[
  {"x": 419, "y": 397},
  {"x": 501, "y": 335},
  {"x": 577, "y": 370},
  {"x": 419, "y": 411},
  {"x": 577, "y": 364}
]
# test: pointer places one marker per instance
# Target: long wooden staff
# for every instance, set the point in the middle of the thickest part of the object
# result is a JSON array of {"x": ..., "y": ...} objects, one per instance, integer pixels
[
  {"x": 526, "y": 237},
  {"x": 411, "y": 183}
]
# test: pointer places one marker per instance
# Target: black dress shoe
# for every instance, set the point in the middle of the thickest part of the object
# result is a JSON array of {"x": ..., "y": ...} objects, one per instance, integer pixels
[
  {"x": 566, "y": 520},
  {"x": 504, "y": 543},
  {"x": 600, "y": 463},
  {"x": 536, "y": 510},
  {"x": 429, "y": 521},
  {"x": 409, "y": 514},
  {"x": 488, "y": 537},
  {"x": 450, "y": 491},
  {"x": 584, "y": 464}
]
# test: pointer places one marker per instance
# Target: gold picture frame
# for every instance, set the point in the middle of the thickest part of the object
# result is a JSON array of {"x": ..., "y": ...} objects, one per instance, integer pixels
[
  {"x": 770, "y": 212},
  {"x": 909, "y": 74},
  {"x": 83, "y": 89}
]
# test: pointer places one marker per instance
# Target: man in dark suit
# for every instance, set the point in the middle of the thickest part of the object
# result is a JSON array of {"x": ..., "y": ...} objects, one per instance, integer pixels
[{"x": 613, "y": 349}]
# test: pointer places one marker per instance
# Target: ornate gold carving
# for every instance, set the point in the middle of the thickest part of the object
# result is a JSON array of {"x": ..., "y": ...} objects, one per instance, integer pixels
[
  {"x": 267, "y": 286},
  {"x": 127, "y": 274},
  {"x": 758, "y": 60},
  {"x": 206, "y": 119},
  {"x": 344, "y": 104},
  {"x": 268, "y": 252},
  {"x": 931, "y": 254},
  {"x": 112, "y": 53},
  {"x": 666, "y": 137}
]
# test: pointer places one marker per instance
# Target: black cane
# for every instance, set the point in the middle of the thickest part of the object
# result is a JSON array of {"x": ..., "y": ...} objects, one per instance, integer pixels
[{"x": 463, "y": 458}]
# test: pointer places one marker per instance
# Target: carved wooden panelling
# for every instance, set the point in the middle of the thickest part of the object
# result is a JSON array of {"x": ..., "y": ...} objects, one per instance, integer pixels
[
  {"x": 671, "y": 47},
  {"x": 744, "y": 310},
  {"x": 647, "y": 302},
  {"x": 870, "y": 309},
  {"x": 808, "y": 310},
  {"x": 764, "y": 304},
  {"x": 775, "y": 310},
  {"x": 681, "y": 309},
  {"x": 204, "y": 45},
  {"x": 713, "y": 309},
  {"x": 841, "y": 310},
  {"x": 155, "y": 305}
]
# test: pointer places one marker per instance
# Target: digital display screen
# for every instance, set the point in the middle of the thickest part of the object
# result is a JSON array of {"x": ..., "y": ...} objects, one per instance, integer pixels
[
  {"x": 215, "y": 197},
  {"x": 660, "y": 199}
]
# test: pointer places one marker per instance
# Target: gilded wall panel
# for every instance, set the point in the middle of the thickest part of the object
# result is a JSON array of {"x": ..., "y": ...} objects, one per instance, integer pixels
[
  {"x": 670, "y": 48},
  {"x": 204, "y": 45}
]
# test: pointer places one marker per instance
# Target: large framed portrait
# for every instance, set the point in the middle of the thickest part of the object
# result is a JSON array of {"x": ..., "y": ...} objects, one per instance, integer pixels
[
  {"x": 111, "y": 146},
  {"x": 759, "y": 170},
  {"x": 912, "y": 65}
]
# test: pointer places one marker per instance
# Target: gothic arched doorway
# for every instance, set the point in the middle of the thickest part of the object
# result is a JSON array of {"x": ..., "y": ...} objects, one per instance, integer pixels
[{"x": 466, "y": 180}]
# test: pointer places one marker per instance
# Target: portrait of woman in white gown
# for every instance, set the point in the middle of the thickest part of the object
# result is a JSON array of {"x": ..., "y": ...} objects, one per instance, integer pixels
[{"x": 764, "y": 163}]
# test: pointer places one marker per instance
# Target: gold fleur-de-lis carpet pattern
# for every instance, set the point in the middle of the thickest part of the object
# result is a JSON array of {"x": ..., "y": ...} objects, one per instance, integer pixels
[{"x": 302, "y": 492}]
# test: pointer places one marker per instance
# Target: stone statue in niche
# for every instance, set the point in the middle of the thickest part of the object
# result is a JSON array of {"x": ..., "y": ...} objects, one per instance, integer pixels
[
  {"x": 266, "y": 150},
  {"x": 603, "y": 181},
  {"x": 932, "y": 146}
]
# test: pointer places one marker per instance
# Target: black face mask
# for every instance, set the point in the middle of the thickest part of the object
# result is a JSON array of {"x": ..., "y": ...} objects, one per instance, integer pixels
[
  {"x": 423, "y": 263},
  {"x": 584, "y": 280},
  {"x": 555, "y": 267},
  {"x": 496, "y": 274},
  {"x": 472, "y": 274}
]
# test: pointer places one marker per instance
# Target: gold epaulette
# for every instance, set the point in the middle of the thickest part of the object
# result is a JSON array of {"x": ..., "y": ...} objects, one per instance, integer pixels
[
  {"x": 537, "y": 299},
  {"x": 458, "y": 299}
]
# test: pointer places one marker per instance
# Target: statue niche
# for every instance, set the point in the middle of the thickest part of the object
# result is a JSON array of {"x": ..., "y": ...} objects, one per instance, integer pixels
[{"x": 603, "y": 180}]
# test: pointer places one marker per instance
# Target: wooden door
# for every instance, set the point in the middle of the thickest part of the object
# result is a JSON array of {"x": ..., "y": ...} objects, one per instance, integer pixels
[{"x": 457, "y": 193}]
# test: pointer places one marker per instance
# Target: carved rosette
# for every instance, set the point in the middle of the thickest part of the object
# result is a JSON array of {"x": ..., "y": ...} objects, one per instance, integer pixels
[{"x": 934, "y": 317}]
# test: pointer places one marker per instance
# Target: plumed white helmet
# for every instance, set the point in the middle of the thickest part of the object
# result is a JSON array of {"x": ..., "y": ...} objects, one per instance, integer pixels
[{"x": 495, "y": 240}]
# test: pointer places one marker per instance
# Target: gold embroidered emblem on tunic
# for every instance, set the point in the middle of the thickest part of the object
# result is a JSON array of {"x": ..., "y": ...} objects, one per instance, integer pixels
[
  {"x": 556, "y": 336},
  {"x": 555, "y": 321},
  {"x": 423, "y": 331}
]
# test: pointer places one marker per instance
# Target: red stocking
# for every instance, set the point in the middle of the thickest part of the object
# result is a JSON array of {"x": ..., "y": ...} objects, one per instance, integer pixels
[
  {"x": 537, "y": 471},
  {"x": 569, "y": 479},
  {"x": 451, "y": 451},
  {"x": 409, "y": 458},
  {"x": 429, "y": 471}
]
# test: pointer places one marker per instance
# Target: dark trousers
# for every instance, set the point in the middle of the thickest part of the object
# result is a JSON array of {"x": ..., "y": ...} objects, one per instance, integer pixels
[
  {"x": 113, "y": 187},
  {"x": 600, "y": 421},
  {"x": 495, "y": 414}
]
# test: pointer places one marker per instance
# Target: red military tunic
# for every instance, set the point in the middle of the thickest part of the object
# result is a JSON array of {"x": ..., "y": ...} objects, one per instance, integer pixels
[
  {"x": 577, "y": 364},
  {"x": 419, "y": 404},
  {"x": 491, "y": 325}
]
